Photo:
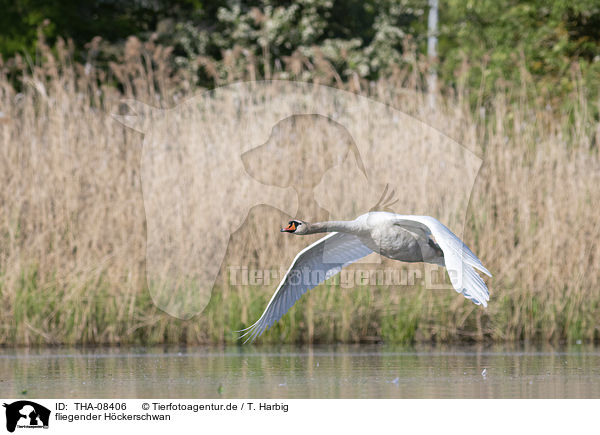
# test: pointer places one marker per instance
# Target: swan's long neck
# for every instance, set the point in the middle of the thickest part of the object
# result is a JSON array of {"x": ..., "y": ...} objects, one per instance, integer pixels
[{"x": 333, "y": 226}]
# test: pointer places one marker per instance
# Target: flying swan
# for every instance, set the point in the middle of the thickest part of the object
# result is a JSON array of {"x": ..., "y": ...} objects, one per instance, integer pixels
[{"x": 406, "y": 238}]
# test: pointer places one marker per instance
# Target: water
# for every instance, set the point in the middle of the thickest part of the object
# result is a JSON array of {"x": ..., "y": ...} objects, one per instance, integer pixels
[{"x": 361, "y": 371}]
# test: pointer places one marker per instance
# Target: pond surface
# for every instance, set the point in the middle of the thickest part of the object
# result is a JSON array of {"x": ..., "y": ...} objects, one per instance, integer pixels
[{"x": 354, "y": 371}]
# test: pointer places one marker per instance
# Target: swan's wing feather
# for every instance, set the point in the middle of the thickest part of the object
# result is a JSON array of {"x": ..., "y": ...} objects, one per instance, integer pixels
[
  {"x": 431, "y": 226},
  {"x": 312, "y": 266},
  {"x": 459, "y": 260}
]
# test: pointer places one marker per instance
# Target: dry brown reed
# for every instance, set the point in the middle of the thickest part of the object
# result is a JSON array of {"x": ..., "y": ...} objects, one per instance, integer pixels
[{"x": 73, "y": 226}]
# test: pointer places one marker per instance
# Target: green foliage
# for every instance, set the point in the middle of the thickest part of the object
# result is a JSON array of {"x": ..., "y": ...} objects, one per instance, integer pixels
[
  {"x": 354, "y": 37},
  {"x": 483, "y": 45},
  {"x": 513, "y": 40},
  {"x": 112, "y": 20}
]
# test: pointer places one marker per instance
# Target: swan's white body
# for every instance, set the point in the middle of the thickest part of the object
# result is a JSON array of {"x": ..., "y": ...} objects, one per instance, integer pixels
[{"x": 399, "y": 237}]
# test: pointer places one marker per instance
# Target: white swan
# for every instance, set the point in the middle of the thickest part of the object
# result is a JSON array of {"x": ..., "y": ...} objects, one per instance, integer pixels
[{"x": 399, "y": 237}]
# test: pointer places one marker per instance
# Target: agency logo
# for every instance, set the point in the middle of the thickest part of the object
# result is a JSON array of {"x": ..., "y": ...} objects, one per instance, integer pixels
[
  {"x": 24, "y": 414},
  {"x": 221, "y": 171}
]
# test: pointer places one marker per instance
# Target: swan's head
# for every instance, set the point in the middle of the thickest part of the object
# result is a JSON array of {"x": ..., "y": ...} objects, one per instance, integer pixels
[{"x": 296, "y": 227}]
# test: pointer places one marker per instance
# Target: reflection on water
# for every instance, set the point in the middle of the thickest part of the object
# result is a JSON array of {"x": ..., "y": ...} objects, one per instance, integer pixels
[{"x": 361, "y": 371}]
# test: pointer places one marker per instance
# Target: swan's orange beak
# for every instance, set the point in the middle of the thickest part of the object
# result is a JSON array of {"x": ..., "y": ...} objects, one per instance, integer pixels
[{"x": 290, "y": 228}]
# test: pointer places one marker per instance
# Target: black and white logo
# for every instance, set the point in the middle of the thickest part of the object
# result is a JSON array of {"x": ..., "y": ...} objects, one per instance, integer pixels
[{"x": 26, "y": 414}]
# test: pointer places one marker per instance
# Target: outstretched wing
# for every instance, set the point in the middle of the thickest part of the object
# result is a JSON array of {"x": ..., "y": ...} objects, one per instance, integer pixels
[
  {"x": 312, "y": 266},
  {"x": 459, "y": 260}
]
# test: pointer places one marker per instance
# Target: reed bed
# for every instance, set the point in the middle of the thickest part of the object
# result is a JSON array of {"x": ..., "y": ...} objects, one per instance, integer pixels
[{"x": 73, "y": 225}]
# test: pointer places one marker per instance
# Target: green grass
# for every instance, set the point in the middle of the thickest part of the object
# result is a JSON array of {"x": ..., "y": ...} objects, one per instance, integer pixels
[{"x": 38, "y": 314}]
